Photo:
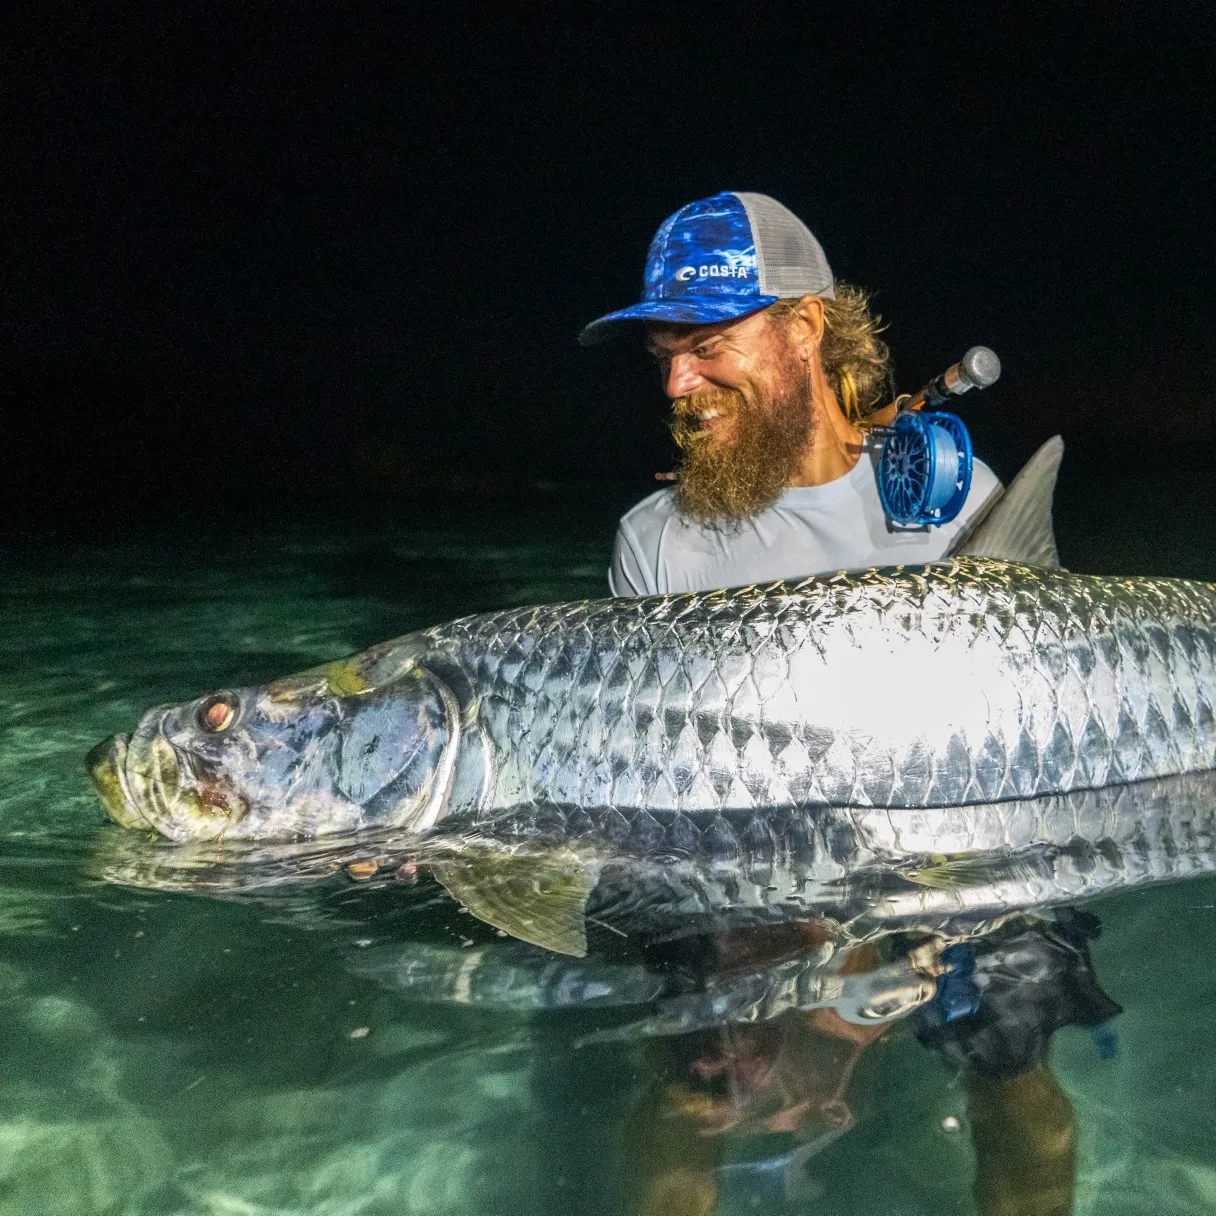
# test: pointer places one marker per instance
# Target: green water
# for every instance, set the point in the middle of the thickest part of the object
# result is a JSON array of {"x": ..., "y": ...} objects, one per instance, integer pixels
[{"x": 168, "y": 1053}]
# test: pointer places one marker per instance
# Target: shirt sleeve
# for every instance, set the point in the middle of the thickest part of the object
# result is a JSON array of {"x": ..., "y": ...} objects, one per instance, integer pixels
[{"x": 627, "y": 573}]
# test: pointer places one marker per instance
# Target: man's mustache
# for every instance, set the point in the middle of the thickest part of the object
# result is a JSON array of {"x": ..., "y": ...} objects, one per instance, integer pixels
[{"x": 686, "y": 411}]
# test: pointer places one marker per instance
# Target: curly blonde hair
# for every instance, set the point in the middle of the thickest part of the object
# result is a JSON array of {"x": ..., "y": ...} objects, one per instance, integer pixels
[{"x": 856, "y": 361}]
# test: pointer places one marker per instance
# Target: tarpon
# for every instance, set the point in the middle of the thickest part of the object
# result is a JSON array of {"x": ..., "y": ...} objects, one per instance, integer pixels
[{"x": 993, "y": 677}]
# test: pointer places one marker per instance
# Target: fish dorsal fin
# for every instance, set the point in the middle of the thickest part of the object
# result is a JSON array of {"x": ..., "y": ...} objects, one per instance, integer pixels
[
  {"x": 1017, "y": 527},
  {"x": 537, "y": 899}
]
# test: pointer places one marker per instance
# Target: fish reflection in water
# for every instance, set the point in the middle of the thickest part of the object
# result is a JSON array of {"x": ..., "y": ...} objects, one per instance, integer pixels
[
  {"x": 754, "y": 1034},
  {"x": 543, "y": 873},
  {"x": 754, "y": 983}
]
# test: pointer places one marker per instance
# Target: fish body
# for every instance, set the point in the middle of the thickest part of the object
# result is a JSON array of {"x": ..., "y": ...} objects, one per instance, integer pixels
[
  {"x": 967, "y": 682},
  {"x": 507, "y": 976},
  {"x": 517, "y": 978},
  {"x": 949, "y": 871}
]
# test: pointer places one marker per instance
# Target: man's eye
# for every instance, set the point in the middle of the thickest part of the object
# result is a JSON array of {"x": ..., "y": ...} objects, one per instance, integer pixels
[{"x": 707, "y": 351}]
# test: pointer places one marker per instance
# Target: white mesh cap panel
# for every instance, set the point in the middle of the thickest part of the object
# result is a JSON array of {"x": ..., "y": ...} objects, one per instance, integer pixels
[{"x": 789, "y": 260}]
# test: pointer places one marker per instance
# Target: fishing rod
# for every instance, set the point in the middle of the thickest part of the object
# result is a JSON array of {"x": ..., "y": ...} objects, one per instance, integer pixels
[{"x": 978, "y": 368}]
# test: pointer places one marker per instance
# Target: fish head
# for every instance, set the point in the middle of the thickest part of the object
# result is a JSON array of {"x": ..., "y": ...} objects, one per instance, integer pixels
[{"x": 363, "y": 742}]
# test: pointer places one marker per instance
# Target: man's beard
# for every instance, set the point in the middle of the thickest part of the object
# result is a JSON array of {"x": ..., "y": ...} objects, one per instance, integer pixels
[{"x": 724, "y": 482}]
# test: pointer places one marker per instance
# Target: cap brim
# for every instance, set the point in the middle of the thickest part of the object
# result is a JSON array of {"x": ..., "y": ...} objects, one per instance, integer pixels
[{"x": 673, "y": 312}]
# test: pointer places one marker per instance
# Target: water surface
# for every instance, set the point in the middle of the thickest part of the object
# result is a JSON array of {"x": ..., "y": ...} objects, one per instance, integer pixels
[{"x": 169, "y": 1053}]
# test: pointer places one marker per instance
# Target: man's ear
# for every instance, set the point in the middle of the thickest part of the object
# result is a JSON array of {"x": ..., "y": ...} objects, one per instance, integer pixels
[{"x": 809, "y": 310}]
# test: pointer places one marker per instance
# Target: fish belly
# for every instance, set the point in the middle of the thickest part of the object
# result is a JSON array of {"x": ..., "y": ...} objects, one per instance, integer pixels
[
  {"x": 972, "y": 681},
  {"x": 878, "y": 870}
]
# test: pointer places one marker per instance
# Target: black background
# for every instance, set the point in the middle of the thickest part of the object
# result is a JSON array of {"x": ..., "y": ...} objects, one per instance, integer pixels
[{"x": 329, "y": 255}]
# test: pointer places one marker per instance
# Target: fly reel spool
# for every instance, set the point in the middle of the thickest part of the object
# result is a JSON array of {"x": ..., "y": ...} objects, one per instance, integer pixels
[{"x": 924, "y": 471}]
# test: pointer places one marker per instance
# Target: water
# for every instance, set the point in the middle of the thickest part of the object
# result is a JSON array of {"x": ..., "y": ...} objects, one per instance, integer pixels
[{"x": 170, "y": 1053}]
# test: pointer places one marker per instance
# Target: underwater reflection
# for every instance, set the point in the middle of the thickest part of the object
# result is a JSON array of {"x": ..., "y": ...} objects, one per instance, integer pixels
[{"x": 742, "y": 1097}]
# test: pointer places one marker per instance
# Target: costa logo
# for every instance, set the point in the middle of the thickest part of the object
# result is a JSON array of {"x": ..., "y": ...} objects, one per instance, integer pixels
[{"x": 711, "y": 271}]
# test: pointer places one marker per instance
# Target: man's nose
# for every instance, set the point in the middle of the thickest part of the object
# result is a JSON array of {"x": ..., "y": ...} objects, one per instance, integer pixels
[{"x": 683, "y": 377}]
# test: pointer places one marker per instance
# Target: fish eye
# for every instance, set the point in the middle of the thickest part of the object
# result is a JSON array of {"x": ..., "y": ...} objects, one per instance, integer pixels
[{"x": 217, "y": 713}]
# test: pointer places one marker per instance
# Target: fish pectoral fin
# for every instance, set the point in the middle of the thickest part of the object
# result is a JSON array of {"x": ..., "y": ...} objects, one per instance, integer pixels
[
  {"x": 538, "y": 900},
  {"x": 1018, "y": 527},
  {"x": 944, "y": 873}
]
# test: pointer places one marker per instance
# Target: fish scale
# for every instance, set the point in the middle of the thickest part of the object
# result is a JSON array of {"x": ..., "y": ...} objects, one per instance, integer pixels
[
  {"x": 872, "y": 869},
  {"x": 970, "y": 681}
]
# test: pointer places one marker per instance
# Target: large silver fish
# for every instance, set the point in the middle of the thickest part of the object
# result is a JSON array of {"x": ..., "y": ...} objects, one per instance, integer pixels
[{"x": 974, "y": 680}]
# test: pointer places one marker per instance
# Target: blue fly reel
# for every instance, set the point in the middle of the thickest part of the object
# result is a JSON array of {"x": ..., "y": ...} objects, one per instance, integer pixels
[{"x": 924, "y": 469}]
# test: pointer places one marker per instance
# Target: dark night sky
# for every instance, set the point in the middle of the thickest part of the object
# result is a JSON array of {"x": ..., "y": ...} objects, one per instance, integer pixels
[{"x": 344, "y": 251}]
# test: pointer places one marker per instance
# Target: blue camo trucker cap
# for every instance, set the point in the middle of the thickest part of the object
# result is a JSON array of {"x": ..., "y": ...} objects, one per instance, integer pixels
[{"x": 721, "y": 258}]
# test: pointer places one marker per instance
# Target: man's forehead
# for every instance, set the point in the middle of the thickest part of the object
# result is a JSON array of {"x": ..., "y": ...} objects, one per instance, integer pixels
[{"x": 663, "y": 337}]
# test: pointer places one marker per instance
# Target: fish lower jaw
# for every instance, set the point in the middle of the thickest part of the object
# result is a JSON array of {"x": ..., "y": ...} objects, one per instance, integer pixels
[{"x": 107, "y": 767}]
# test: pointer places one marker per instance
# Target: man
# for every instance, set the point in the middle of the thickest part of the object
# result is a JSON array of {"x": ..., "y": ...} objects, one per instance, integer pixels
[{"x": 774, "y": 371}]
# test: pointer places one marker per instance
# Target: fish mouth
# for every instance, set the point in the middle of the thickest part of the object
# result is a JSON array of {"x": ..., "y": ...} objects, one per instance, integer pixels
[
  {"x": 107, "y": 767},
  {"x": 144, "y": 783}
]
